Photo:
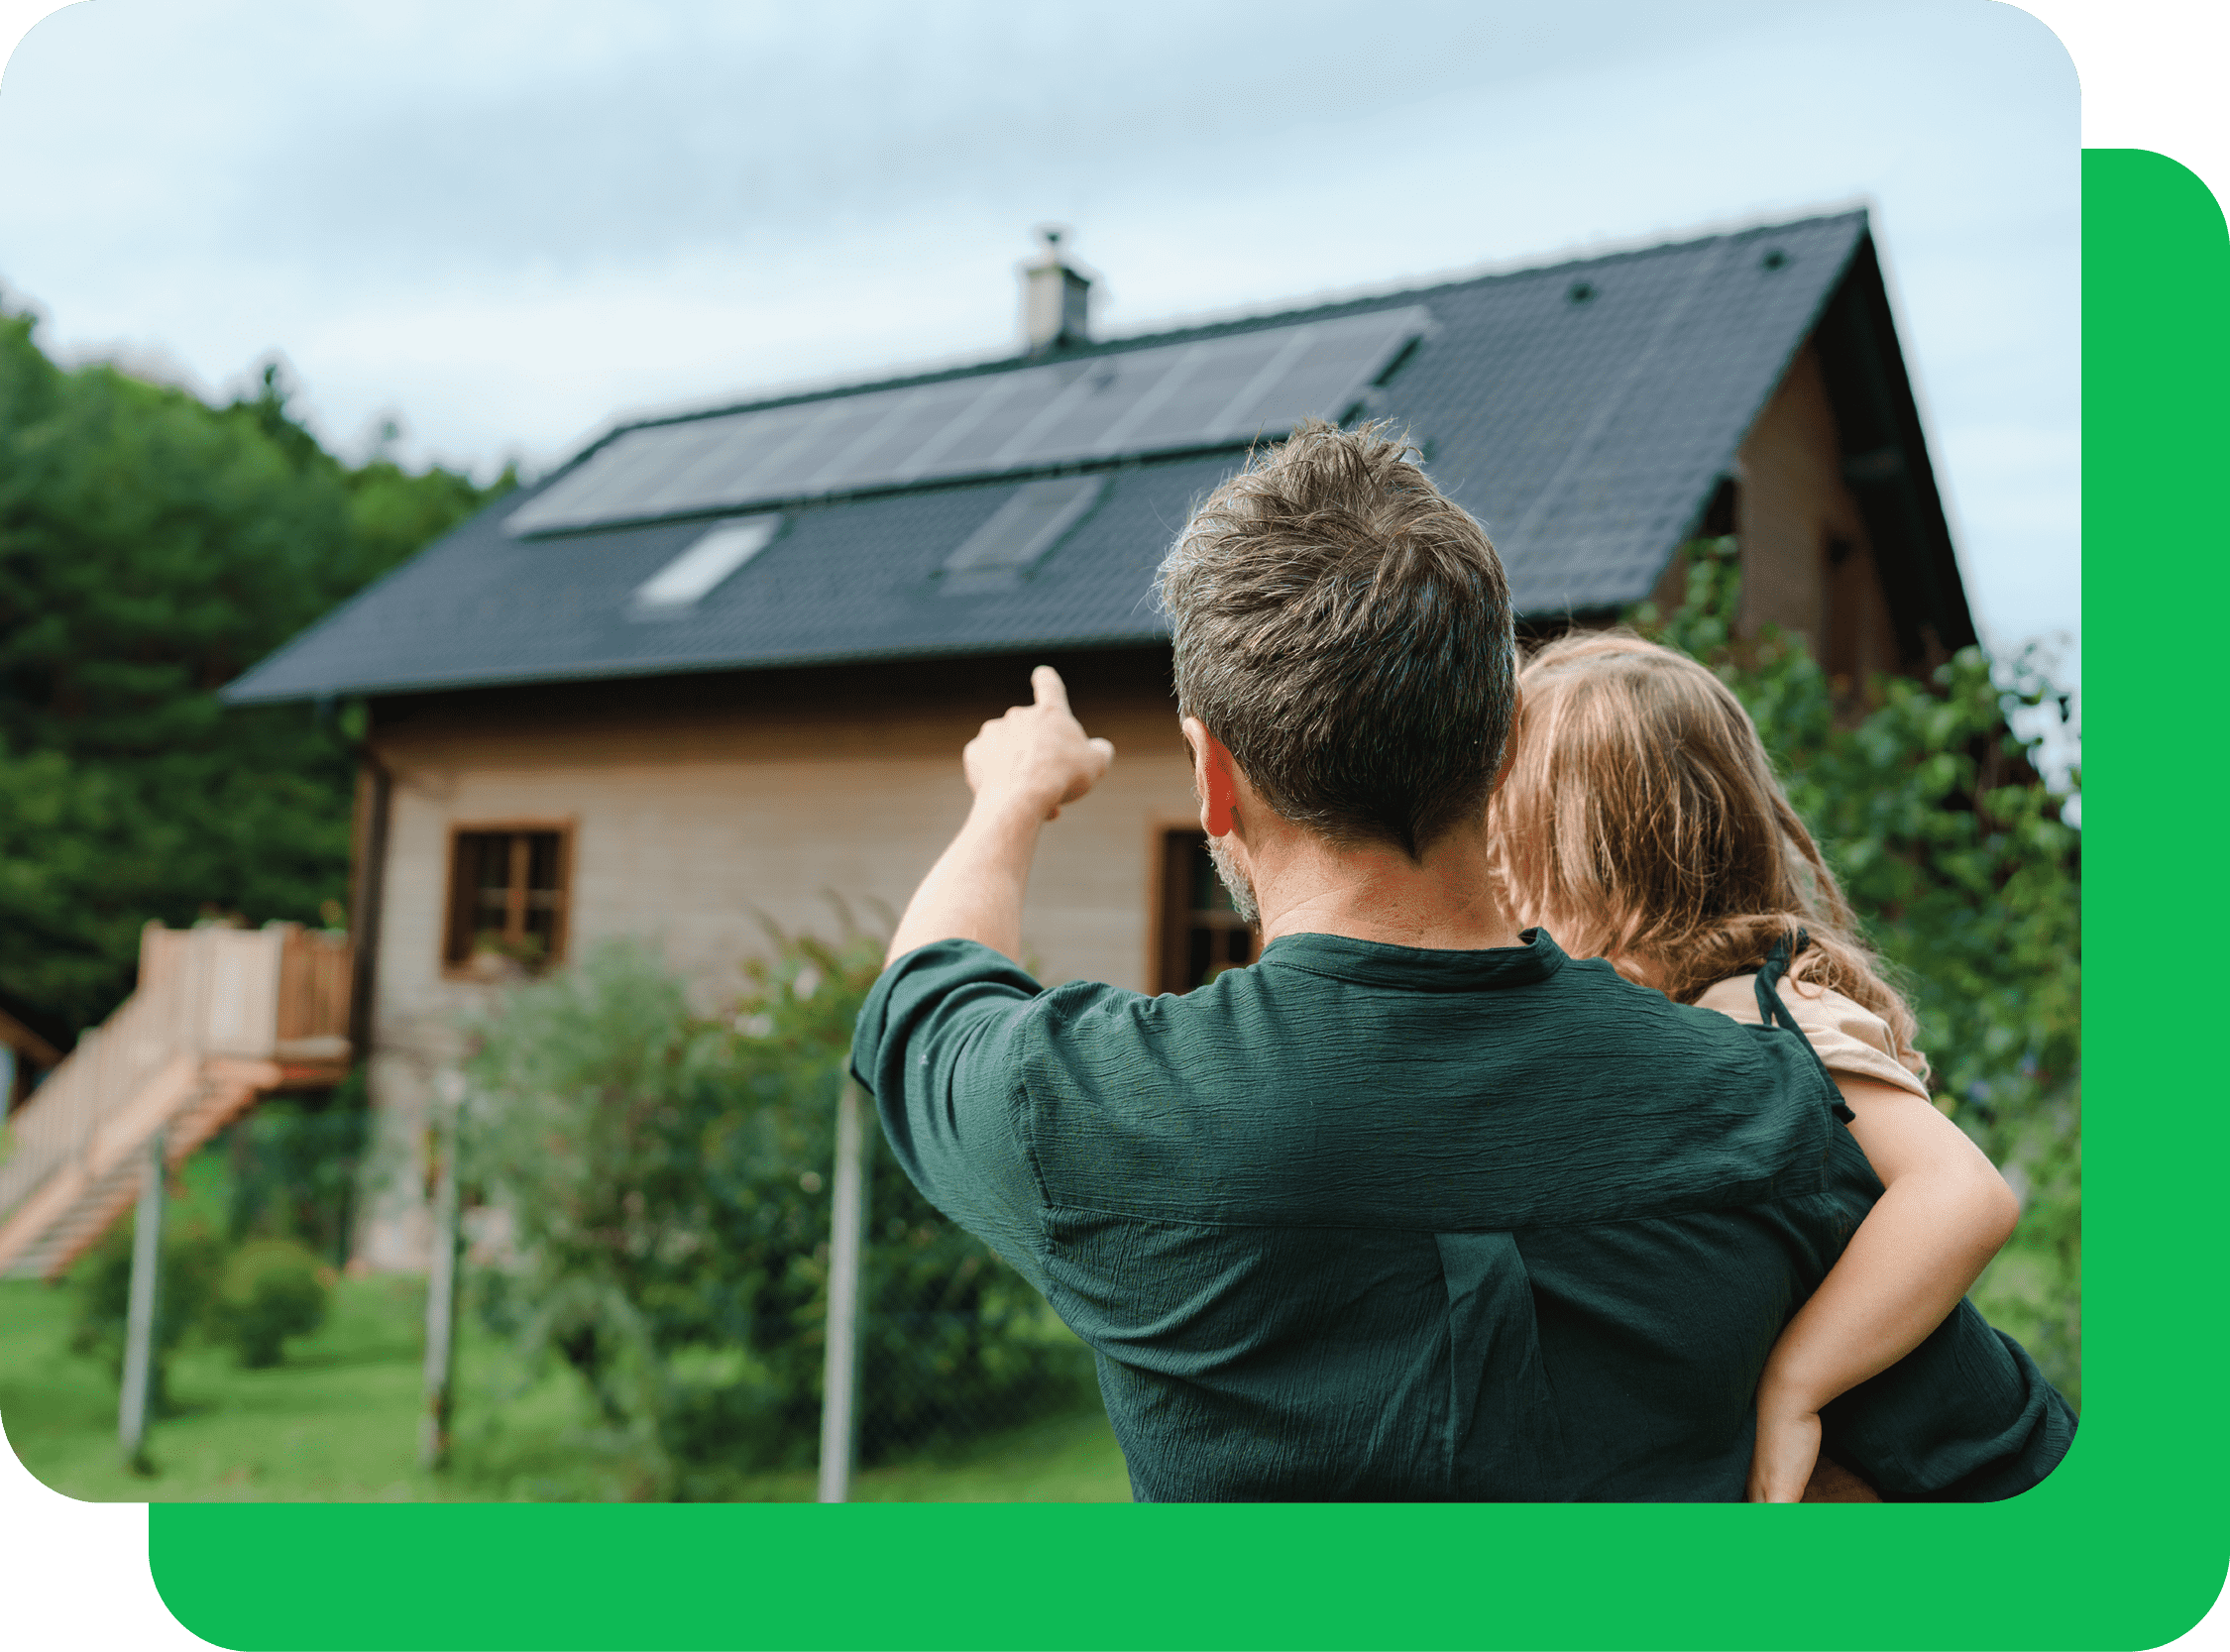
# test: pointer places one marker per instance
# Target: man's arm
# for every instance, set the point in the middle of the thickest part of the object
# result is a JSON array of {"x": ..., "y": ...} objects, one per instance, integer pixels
[
  {"x": 1966, "y": 1417},
  {"x": 940, "y": 1039},
  {"x": 1942, "y": 1215},
  {"x": 1023, "y": 767}
]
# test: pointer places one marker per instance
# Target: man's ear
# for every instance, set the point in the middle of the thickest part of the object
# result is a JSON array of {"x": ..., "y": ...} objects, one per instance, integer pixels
[{"x": 1211, "y": 778}]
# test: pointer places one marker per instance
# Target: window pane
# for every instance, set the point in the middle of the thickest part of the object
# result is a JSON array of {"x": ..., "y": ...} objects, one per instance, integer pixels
[
  {"x": 491, "y": 865},
  {"x": 1208, "y": 892},
  {"x": 489, "y": 918},
  {"x": 543, "y": 862},
  {"x": 1202, "y": 932}
]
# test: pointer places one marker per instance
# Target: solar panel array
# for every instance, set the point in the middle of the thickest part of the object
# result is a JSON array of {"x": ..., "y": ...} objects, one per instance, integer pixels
[{"x": 1169, "y": 398}]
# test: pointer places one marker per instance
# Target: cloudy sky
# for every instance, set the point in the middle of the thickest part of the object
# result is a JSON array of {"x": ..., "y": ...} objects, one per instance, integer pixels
[{"x": 502, "y": 225}]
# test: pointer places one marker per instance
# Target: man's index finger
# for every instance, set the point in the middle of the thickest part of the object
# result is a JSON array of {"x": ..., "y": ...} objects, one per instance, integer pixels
[{"x": 1047, "y": 686}]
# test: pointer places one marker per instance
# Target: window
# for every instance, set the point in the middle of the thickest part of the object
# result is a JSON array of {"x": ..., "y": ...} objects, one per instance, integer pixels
[
  {"x": 677, "y": 588},
  {"x": 1019, "y": 533},
  {"x": 1723, "y": 512},
  {"x": 508, "y": 887},
  {"x": 1202, "y": 936}
]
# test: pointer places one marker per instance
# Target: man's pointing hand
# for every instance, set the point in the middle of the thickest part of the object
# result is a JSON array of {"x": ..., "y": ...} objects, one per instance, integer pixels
[{"x": 1035, "y": 757}]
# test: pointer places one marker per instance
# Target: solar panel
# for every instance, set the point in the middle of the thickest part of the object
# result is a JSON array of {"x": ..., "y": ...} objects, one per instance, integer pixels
[
  {"x": 1163, "y": 399},
  {"x": 1032, "y": 521}
]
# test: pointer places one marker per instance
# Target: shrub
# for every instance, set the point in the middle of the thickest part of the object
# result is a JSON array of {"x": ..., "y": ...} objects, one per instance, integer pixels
[
  {"x": 271, "y": 1289},
  {"x": 192, "y": 1260},
  {"x": 668, "y": 1182}
]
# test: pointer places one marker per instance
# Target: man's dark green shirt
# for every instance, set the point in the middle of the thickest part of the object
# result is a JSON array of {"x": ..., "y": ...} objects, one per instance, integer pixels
[{"x": 1367, "y": 1222}]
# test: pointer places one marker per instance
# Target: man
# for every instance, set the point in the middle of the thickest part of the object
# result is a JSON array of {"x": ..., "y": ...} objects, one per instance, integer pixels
[{"x": 1414, "y": 1207}]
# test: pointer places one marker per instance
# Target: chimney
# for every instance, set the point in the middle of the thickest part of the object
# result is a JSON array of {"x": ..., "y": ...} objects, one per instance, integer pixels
[{"x": 1054, "y": 296}]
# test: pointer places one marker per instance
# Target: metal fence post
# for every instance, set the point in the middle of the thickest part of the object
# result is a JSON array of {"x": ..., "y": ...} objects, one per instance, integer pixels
[
  {"x": 142, "y": 1311},
  {"x": 848, "y": 1223},
  {"x": 441, "y": 1280}
]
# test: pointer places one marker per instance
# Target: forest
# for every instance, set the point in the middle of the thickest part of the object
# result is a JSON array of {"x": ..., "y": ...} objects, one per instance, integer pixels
[{"x": 151, "y": 548}]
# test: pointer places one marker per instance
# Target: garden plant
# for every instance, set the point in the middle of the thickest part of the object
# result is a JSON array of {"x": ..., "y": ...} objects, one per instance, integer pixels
[
  {"x": 667, "y": 1181},
  {"x": 1964, "y": 867}
]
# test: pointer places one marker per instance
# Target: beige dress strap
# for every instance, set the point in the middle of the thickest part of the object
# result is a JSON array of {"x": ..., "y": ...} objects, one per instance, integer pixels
[{"x": 1850, "y": 1040}]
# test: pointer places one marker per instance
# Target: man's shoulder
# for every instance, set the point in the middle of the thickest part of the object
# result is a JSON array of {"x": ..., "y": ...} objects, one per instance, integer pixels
[
  {"x": 1584, "y": 1011},
  {"x": 1271, "y": 1094}
]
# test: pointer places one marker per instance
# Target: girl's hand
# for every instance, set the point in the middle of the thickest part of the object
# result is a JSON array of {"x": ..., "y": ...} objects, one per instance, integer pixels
[{"x": 1788, "y": 1447}]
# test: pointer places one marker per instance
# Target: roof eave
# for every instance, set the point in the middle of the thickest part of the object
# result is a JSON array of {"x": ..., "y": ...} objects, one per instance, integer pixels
[{"x": 711, "y": 665}]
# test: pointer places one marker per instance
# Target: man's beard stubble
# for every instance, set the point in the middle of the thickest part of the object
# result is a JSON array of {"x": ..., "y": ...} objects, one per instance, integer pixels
[{"x": 1234, "y": 883}]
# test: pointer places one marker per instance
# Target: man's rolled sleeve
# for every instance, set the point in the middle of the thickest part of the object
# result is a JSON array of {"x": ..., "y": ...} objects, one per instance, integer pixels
[
  {"x": 1966, "y": 1417},
  {"x": 940, "y": 1047}
]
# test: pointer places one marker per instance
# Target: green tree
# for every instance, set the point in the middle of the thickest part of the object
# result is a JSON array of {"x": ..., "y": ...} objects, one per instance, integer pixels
[
  {"x": 1956, "y": 853},
  {"x": 152, "y": 547}
]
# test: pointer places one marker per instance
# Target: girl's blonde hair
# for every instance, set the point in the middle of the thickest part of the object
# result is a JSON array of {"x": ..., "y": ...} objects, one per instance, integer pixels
[{"x": 1641, "y": 820}]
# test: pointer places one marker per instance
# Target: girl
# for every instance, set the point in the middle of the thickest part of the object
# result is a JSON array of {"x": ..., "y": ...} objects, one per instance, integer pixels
[{"x": 1640, "y": 822}]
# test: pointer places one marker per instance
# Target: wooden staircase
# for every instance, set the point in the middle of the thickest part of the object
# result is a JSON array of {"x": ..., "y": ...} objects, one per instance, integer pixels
[{"x": 221, "y": 1018}]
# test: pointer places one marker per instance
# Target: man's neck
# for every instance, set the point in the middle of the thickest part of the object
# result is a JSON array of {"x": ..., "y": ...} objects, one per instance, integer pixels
[{"x": 1445, "y": 902}]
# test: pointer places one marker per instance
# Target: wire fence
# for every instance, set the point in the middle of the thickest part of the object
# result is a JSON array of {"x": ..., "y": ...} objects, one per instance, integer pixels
[{"x": 933, "y": 1343}]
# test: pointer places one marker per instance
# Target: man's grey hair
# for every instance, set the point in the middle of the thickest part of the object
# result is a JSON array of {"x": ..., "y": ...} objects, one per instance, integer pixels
[{"x": 1344, "y": 628}]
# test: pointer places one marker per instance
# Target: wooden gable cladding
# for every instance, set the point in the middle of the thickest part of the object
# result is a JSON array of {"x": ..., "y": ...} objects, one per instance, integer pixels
[{"x": 1808, "y": 556}]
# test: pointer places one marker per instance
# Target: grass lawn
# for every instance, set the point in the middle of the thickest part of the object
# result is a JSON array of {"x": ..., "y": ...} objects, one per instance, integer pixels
[{"x": 338, "y": 1422}]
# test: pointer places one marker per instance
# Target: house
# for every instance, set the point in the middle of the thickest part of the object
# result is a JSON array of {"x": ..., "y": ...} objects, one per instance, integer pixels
[{"x": 720, "y": 666}]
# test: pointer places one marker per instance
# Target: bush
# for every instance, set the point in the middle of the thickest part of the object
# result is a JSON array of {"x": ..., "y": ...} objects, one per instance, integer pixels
[
  {"x": 271, "y": 1289},
  {"x": 292, "y": 1167},
  {"x": 192, "y": 1260},
  {"x": 667, "y": 1178}
]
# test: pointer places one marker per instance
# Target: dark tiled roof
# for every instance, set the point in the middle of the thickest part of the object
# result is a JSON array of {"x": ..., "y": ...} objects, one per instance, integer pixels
[{"x": 1583, "y": 413}]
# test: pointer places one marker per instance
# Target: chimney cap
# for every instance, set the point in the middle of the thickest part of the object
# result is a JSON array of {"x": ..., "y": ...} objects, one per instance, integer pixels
[{"x": 1056, "y": 294}]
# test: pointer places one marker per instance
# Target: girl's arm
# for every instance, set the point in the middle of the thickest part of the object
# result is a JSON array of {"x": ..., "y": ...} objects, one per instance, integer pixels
[{"x": 1942, "y": 1216}]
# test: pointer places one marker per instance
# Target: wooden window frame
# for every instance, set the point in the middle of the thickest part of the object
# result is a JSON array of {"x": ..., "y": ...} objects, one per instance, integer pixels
[
  {"x": 1173, "y": 904},
  {"x": 1172, "y": 928},
  {"x": 561, "y": 924}
]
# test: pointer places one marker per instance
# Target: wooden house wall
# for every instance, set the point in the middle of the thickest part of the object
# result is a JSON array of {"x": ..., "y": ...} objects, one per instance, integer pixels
[
  {"x": 1792, "y": 511},
  {"x": 1792, "y": 504}
]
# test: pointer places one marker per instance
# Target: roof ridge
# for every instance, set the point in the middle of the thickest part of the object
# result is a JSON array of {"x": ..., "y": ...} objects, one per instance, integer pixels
[{"x": 1354, "y": 300}]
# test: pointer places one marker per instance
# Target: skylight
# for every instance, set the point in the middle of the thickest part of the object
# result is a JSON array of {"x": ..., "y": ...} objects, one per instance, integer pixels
[
  {"x": 679, "y": 585},
  {"x": 1020, "y": 533}
]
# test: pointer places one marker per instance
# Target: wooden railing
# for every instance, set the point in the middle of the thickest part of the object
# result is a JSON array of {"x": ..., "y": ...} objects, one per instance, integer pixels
[{"x": 220, "y": 1018}]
